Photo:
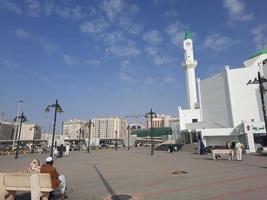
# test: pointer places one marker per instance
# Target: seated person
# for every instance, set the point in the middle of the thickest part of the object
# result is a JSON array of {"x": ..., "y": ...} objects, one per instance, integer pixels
[
  {"x": 58, "y": 182},
  {"x": 34, "y": 167}
]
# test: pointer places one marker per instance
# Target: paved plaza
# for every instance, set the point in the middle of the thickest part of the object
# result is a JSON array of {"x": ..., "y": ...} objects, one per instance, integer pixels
[{"x": 134, "y": 174}]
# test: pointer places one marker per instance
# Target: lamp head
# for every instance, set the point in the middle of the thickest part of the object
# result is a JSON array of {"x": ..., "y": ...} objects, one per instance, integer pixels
[
  {"x": 59, "y": 109},
  {"x": 47, "y": 109}
]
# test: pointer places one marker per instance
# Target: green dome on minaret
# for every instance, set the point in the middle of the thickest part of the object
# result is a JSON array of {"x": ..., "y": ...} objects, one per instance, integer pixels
[{"x": 187, "y": 35}]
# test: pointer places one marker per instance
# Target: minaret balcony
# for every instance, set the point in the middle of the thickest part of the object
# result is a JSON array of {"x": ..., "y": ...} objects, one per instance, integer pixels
[{"x": 189, "y": 64}]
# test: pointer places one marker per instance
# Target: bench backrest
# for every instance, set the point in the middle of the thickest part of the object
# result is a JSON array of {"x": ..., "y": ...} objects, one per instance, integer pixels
[
  {"x": 222, "y": 151},
  {"x": 22, "y": 181}
]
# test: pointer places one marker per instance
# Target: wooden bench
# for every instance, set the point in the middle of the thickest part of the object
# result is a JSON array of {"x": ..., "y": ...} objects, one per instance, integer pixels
[
  {"x": 221, "y": 152},
  {"x": 38, "y": 184}
]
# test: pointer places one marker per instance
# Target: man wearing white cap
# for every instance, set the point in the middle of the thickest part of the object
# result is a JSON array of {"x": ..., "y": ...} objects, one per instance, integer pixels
[{"x": 58, "y": 182}]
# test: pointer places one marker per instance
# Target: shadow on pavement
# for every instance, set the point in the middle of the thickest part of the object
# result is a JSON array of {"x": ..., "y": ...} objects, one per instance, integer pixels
[{"x": 114, "y": 196}]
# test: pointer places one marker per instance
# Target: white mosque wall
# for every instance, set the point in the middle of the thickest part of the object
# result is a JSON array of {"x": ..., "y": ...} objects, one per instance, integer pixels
[
  {"x": 215, "y": 101},
  {"x": 218, "y": 140},
  {"x": 217, "y": 136},
  {"x": 227, "y": 100},
  {"x": 187, "y": 116},
  {"x": 245, "y": 99}
]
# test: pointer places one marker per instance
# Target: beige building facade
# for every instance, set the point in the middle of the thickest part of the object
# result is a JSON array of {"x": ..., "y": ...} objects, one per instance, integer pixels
[
  {"x": 74, "y": 129},
  {"x": 109, "y": 128}
]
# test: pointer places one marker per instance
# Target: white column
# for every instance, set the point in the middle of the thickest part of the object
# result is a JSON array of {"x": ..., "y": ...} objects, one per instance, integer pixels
[
  {"x": 191, "y": 87},
  {"x": 251, "y": 143}
]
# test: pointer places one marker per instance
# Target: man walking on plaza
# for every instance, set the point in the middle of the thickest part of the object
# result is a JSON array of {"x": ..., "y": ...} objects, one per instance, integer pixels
[
  {"x": 67, "y": 149},
  {"x": 233, "y": 152},
  {"x": 58, "y": 182},
  {"x": 239, "y": 148}
]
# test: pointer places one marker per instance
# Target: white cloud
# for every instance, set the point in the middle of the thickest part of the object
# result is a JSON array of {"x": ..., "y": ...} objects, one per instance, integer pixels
[
  {"x": 168, "y": 79},
  {"x": 125, "y": 62},
  {"x": 93, "y": 62},
  {"x": 112, "y": 8},
  {"x": 152, "y": 37},
  {"x": 157, "y": 58},
  {"x": 70, "y": 13},
  {"x": 49, "y": 47},
  {"x": 126, "y": 77},
  {"x": 126, "y": 24},
  {"x": 176, "y": 35},
  {"x": 94, "y": 27},
  {"x": 8, "y": 64},
  {"x": 34, "y": 8},
  {"x": 113, "y": 37},
  {"x": 68, "y": 59},
  {"x": 237, "y": 10},
  {"x": 48, "y": 6},
  {"x": 170, "y": 13},
  {"x": 13, "y": 7},
  {"x": 121, "y": 14},
  {"x": 124, "y": 50},
  {"x": 259, "y": 32},
  {"x": 218, "y": 42},
  {"x": 22, "y": 34}
]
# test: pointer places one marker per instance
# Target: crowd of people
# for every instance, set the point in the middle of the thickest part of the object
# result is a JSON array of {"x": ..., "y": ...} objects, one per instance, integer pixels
[{"x": 61, "y": 150}]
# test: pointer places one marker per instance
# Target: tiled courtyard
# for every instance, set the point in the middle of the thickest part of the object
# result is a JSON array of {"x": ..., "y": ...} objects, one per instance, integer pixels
[{"x": 136, "y": 175}]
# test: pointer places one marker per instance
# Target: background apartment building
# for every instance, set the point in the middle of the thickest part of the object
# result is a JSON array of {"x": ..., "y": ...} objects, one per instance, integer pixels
[
  {"x": 160, "y": 121},
  {"x": 109, "y": 128},
  {"x": 9, "y": 131},
  {"x": 30, "y": 132},
  {"x": 74, "y": 128}
]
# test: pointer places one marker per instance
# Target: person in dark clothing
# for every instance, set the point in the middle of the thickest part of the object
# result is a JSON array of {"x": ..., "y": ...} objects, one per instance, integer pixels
[
  {"x": 233, "y": 144},
  {"x": 60, "y": 151},
  {"x": 202, "y": 148},
  {"x": 170, "y": 148},
  {"x": 233, "y": 152}
]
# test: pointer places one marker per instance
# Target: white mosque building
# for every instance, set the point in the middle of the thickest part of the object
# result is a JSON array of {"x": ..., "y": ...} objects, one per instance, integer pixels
[{"x": 223, "y": 107}]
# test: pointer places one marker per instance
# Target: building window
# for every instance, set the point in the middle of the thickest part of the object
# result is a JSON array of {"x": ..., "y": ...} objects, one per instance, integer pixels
[{"x": 194, "y": 120}]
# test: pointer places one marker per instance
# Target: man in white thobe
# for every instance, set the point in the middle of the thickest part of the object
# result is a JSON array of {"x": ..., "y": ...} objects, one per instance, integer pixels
[{"x": 239, "y": 148}]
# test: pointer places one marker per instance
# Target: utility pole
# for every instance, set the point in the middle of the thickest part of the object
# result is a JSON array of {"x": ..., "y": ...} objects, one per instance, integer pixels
[
  {"x": 89, "y": 124},
  {"x": 33, "y": 135},
  {"x": 15, "y": 136},
  {"x": 22, "y": 119},
  {"x": 128, "y": 128},
  {"x": 260, "y": 81},
  {"x": 151, "y": 115},
  {"x": 116, "y": 142}
]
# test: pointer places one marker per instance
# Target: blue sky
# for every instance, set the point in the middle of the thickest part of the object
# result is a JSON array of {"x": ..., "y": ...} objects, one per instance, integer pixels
[{"x": 116, "y": 57}]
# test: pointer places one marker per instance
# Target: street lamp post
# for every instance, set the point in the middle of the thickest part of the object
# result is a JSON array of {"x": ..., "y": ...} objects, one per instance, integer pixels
[
  {"x": 34, "y": 129},
  {"x": 58, "y": 109},
  {"x": 22, "y": 118},
  {"x": 260, "y": 81},
  {"x": 116, "y": 140},
  {"x": 89, "y": 124},
  {"x": 128, "y": 128},
  {"x": 17, "y": 127},
  {"x": 79, "y": 142},
  {"x": 151, "y": 115}
]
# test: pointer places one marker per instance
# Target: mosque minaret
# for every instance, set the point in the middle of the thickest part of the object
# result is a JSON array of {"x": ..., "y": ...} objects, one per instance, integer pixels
[{"x": 189, "y": 65}]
